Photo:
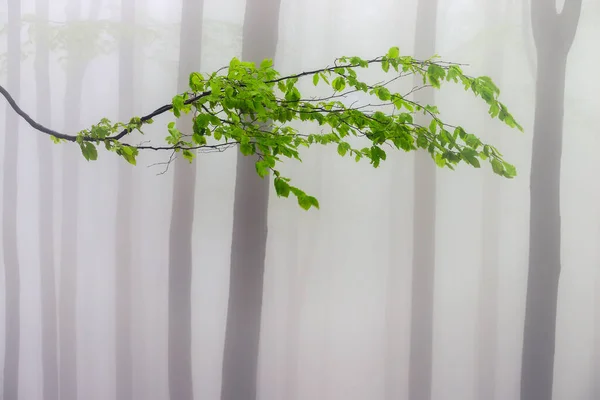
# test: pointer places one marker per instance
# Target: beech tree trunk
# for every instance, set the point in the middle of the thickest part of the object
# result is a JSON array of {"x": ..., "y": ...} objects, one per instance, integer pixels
[
  {"x": 123, "y": 230},
  {"x": 182, "y": 219},
  {"x": 49, "y": 337},
  {"x": 12, "y": 284},
  {"x": 69, "y": 248},
  {"x": 249, "y": 240},
  {"x": 487, "y": 332},
  {"x": 596, "y": 349},
  {"x": 553, "y": 33},
  {"x": 69, "y": 244},
  {"x": 423, "y": 271}
]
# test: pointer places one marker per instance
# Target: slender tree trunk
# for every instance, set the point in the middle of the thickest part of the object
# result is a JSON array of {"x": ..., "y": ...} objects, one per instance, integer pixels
[
  {"x": 423, "y": 272},
  {"x": 46, "y": 211},
  {"x": 526, "y": 26},
  {"x": 301, "y": 262},
  {"x": 123, "y": 232},
  {"x": 596, "y": 344},
  {"x": 487, "y": 333},
  {"x": 248, "y": 247},
  {"x": 69, "y": 248},
  {"x": 182, "y": 218},
  {"x": 596, "y": 348},
  {"x": 12, "y": 284},
  {"x": 69, "y": 245},
  {"x": 554, "y": 34}
]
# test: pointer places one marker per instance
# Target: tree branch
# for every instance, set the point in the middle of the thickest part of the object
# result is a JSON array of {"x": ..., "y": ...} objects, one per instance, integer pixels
[
  {"x": 167, "y": 107},
  {"x": 569, "y": 20}
]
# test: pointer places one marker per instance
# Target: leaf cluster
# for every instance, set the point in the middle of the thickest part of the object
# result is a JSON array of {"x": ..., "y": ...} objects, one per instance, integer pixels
[{"x": 252, "y": 107}]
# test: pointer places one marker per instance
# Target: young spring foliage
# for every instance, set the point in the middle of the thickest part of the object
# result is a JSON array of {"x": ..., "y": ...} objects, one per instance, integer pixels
[{"x": 252, "y": 107}]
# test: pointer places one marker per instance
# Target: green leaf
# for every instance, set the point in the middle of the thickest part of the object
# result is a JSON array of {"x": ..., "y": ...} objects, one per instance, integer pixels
[
  {"x": 196, "y": 82},
  {"x": 338, "y": 84},
  {"x": 385, "y": 65},
  {"x": 394, "y": 52},
  {"x": 497, "y": 166},
  {"x": 343, "y": 148},
  {"x": 188, "y": 155},
  {"x": 178, "y": 103},
  {"x": 262, "y": 168},
  {"x": 422, "y": 141},
  {"x": 174, "y": 134},
  {"x": 247, "y": 149},
  {"x": 282, "y": 188},
  {"x": 306, "y": 202},
  {"x": 315, "y": 79},
  {"x": 435, "y": 73},
  {"x": 293, "y": 95},
  {"x": 266, "y": 63},
  {"x": 510, "y": 170},
  {"x": 440, "y": 161},
  {"x": 433, "y": 126},
  {"x": 470, "y": 156},
  {"x": 89, "y": 151},
  {"x": 384, "y": 94},
  {"x": 129, "y": 154},
  {"x": 199, "y": 138}
]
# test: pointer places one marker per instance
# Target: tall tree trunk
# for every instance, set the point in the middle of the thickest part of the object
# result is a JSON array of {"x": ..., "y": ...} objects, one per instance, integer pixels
[
  {"x": 302, "y": 262},
  {"x": 12, "y": 284},
  {"x": 123, "y": 231},
  {"x": 67, "y": 299},
  {"x": 596, "y": 349},
  {"x": 182, "y": 218},
  {"x": 69, "y": 244},
  {"x": 248, "y": 247},
  {"x": 46, "y": 212},
  {"x": 423, "y": 272},
  {"x": 487, "y": 318},
  {"x": 595, "y": 390},
  {"x": 553, "y": 33}
]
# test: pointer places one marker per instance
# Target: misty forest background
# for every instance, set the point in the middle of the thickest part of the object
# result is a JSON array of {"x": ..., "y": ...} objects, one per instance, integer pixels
[{"x": 411, "y": 282}]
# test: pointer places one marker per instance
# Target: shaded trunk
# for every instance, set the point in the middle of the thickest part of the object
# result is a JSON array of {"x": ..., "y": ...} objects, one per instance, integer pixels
[
  {"x": 300, "y": 262},
  {"x": 249, "y": 240},
  {"x": 423, "y": 271},
  {"x": 553, "y": 35},
  {"x": 596, "y": 349},
  {"x": 46, "y": 213},
  {"x": 69, "y": 248},
  {"x": 487, "y": 318},
  {"x": 69, "y": 244},
  {"x": 12, "y": 284},
  {"x": 295, "y": 297},
  {"x": 182, "y": 219},
  {"x": 544, "y": 247},
  {"x": 123, "y": 231}
]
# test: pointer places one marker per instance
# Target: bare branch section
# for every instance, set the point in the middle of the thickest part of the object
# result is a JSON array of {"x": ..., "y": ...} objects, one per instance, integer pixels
[{"x": 232, "y": 106}]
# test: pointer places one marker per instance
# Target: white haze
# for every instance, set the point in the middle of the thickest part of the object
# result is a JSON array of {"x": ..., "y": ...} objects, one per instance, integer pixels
[{"x": 338, "y": 277}]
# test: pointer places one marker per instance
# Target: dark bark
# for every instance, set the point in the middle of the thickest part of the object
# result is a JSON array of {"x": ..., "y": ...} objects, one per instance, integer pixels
[
  {"x": 123, "y": 230},
  {"x": 12, "y": 284},
  {"x": 554, "y": 34},
  {"x": 248, "y": 247},
  {"x": 46, "y": 213},
  {"x": 487, "y": 318},
  {"x": 182, "y": 218},
  {"x": 423, "y": 271}
]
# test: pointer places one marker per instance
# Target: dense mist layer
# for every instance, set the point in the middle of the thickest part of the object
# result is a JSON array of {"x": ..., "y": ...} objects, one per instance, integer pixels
[{"x": 178, "y": 281}]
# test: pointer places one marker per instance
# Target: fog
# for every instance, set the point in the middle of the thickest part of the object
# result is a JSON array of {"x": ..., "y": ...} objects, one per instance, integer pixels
[{"x": 170, "y": 280}]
